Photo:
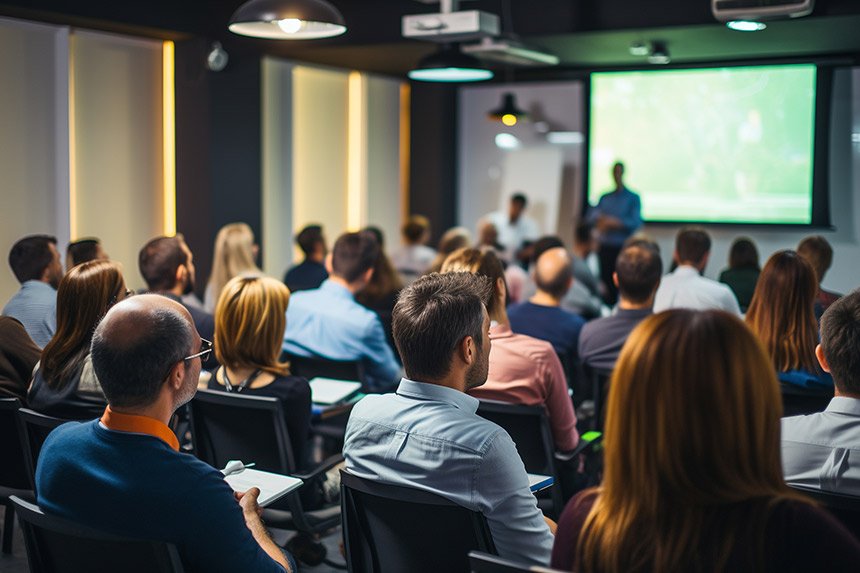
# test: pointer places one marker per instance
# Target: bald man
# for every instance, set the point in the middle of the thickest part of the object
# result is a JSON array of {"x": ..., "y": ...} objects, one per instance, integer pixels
[
  {"x": 542, "y": 316},
  {"x": 124, "y": 473}
]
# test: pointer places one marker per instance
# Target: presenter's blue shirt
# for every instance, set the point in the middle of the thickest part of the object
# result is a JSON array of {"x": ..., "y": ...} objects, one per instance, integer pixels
[
  {"x": 624, "y": 204},
  {"x": 136, "y": 485}
]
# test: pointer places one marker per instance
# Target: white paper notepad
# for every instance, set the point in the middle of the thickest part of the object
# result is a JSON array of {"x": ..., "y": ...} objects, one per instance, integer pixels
[
  {"x": 272, "y": 486},
  {"x": 538, "y": 482},
  {"x": 330, "y": 391}
]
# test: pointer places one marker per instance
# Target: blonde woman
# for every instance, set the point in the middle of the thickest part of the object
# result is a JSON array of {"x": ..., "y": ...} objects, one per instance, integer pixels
[
  {"x": 693, "y": 480},
  {"x": 235, "y": 253},
  {"x": 250, "y": 320}
]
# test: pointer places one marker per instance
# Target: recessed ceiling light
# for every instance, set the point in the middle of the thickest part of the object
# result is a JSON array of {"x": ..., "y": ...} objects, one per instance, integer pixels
[
  {"x": 746, "y": 25},
  {"x": 507, "y": 141},
  {"x": 639, "y": 49}
]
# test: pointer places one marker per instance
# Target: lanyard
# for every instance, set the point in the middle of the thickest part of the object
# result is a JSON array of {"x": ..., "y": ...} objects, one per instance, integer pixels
[{"x": 243, "y": 384}]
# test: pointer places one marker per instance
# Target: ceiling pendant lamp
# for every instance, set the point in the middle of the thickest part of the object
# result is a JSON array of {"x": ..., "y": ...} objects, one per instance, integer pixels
[
  {"x": 287, "y": 20},
  {"x": 449, "y": 64},
  {"x": 508, "y": 112}
]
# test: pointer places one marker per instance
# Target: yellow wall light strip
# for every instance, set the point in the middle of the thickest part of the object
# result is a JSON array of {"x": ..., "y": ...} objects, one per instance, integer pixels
[
  {"x": 169, "y": 133},
  {"x": 73, "y": 173},
  {"x": 405, "y": 148},
  {"x": 355, "y": 180}
]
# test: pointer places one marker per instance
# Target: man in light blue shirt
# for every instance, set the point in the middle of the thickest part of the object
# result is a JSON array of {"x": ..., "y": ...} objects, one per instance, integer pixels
[
  {"x": 36, "y": 264},
  {"x": 822, "y": 450},
  {"x": 327, "y": 322},
  {"x": 427, "y": 435}
]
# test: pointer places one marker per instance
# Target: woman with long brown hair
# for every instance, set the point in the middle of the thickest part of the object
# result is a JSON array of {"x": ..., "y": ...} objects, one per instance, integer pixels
[
  {"x": 782, "y": 314},
  {"x": 65, "y": 384},
  {"x": 692, "y": 479}
]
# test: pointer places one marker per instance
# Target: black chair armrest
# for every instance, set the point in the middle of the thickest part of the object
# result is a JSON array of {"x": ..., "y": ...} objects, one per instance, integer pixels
[
  {"x": 322, "y": 468},
  {"x": 581, "y": 448}
]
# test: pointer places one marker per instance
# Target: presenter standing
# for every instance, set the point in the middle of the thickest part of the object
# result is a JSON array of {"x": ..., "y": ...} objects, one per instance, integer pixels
[{"x": 616, "y": 216}]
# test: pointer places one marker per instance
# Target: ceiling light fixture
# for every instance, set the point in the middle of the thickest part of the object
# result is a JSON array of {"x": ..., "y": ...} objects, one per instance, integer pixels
[
  {"x": 746, "y": 25},
  {"x": 659, "y": 54},
  {"x": 639, "y": 48},
  {"x": 449, "y": 64},
  {"x": 508, "y": 112},
  {"x": 287, "y": 20}
]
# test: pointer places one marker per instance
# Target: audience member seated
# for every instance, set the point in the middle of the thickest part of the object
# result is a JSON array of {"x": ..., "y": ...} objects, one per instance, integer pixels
[
  {"x": 584, "y": 244},
  {"x": 685, "y": 287},
  {"x": 637, "y": 276},
  {"x": 235, "y": 254},
  {"x": 64, "y": 384},
  {"x": 523, "y": 370},
  {"x": 311, "y": 272},
  {"x": 578, "y": 298},
  {"x": 819, "y": 450},
  {"x": 328, "y": 323},
  {"x": 36, "y": 264},
  {"x": 692, "y": 478},
  {"x": 414, "y": 258},
  {"x": 250, "y": 320},
  {"x": 515, "y": 230},
  {"x": 83, "y": 251},
  {"x": 428, "y": 436},
  {"x": 743, "y": 270},
  {"x": 453, "y": 239},
  {"x": 819, "y": 253},
  {"x": 18, "y": 356},
  {"x": 781, "y": 314},
  {"x": 124, "y": 474},
  {"x": 542, "y": 316},
  {"x": 167, "y": 266},
  {"x": 380, "y": 294}
]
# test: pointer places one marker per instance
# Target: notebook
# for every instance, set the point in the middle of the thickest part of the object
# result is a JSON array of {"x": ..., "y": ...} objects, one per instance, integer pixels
[
  {"x": 272, "y": 486},
  {"x": 537, "y": 482},
  {"x": 330, "y": 391}
]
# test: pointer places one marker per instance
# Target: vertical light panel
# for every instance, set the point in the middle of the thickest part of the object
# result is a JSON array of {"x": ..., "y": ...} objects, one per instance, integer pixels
[
  {"x": 73, "y": 162},
  {"x": 168, "y": 114},
  {"x": 356, "y": 153},
  {"x": 383, "y": 170},
  {"x": 405, "y": 147}
]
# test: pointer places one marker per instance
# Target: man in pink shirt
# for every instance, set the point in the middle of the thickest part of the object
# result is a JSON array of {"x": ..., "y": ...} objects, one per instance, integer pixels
[{"x": 523, "y": 370}]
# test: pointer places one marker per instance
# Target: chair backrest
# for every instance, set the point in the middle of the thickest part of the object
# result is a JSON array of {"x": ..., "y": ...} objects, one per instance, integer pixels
[
  {"x": 13, "y": 470},
  {"x": 395, "y": 528},
  {"x": 529, "y": 427},
  {"x": 600, "y": 390},
  {"x": 316, "y": 367},
  {"x": 229, "y": 426},
  {"x": 485, "y": 563},
  {"x": 56, "y": 545},
  {"x": 797, "y": 400},
  {"x": 846, "y": 508},
  {"x": 33, "y": 430}
]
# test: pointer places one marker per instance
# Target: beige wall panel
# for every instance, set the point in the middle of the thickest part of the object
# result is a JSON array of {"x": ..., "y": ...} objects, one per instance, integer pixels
[
  {"x": 320, "y": 99},
  {"x": 118, "y": 144},
  {"x": 383, "y": 159}
]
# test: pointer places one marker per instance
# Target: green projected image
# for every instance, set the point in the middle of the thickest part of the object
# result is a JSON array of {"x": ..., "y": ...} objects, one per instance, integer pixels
[{"x": 731, "y": 145}]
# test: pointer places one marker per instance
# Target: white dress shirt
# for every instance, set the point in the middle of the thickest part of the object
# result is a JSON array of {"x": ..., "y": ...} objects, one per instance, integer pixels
[
  {"x": 513, "y": 235},
  {"x": 686, "y": 288}
]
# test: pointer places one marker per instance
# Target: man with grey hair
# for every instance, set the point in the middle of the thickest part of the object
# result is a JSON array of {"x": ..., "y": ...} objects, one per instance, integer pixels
[
  {"x": 125, "y": 474},
  {"x": 427, "y": 434}
]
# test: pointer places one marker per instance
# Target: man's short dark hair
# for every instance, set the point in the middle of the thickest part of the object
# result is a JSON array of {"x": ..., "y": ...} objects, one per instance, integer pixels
[
  {"x": 639, "y": 269},
  {"x": 818, "y": 252},
  {"x": 158, "y": 261},
  {"x": 692, "y": 244},
  {"x": 432, "y": 317},
  {"x": 353, "y": 255},
  {"x": 544, "y": 244},
  {"x": 131, "y": 369},
  {"x": 30, "y": 257},
  {"x": 82, "y": 251},
  {"x": 840, "y": 340},
  {"x": 519, "y": 198},
  {"x": 308, "y": 238},
  {"x": 557, "y": 284}
]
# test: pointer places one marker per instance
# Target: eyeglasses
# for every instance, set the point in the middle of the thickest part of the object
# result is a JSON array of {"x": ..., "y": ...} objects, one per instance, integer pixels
[{"x": 205, "y": 351}]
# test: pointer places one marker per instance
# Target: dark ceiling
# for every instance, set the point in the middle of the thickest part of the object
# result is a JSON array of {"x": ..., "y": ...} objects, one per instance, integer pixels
[{"x": 585, "y": 34}]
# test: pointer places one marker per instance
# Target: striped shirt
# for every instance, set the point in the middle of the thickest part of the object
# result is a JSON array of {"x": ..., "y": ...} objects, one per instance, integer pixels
[{"x": 35, "y": 306}]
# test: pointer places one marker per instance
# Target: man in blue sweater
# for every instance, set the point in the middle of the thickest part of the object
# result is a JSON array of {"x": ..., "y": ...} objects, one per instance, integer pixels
[{"x": 124, "y": 473}]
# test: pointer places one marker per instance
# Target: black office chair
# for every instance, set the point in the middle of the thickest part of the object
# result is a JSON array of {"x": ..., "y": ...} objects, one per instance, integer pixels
[
  {"x": 600, "y": 390},
  {"x": 251, "y": 428},
  {"x": 13, "y": 470},
  {"x": 394, "y": 528},
  {"x": 797, "y": 400},
  {"x": 34, "y": 429},
  {"x": 485, "y": 563},
  {"x": 55, "y": 545},
  {"x": 845, "y": 508}
]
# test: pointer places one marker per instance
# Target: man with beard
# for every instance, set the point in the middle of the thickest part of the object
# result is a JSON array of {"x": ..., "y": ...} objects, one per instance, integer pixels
[
  {"x": 36, "y": 264},
  {"x": 167, "y": 266},
  {"x": 427, "y": 435},
  {"x": 125, "y": 473}
]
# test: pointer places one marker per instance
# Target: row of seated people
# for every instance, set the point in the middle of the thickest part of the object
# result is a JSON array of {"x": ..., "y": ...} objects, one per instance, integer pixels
[{"x": 692, "y": 467}]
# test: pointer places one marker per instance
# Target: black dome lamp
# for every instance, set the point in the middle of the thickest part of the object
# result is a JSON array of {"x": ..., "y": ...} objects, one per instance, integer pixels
[
  {"x": 449, "y": 64},
  {"x": 508, "y": 113},
  {"x": 287, "y": 20}
]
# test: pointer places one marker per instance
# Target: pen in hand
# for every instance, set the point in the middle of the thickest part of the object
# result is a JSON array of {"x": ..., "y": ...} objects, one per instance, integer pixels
[{"x": 235, "y": 467}]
